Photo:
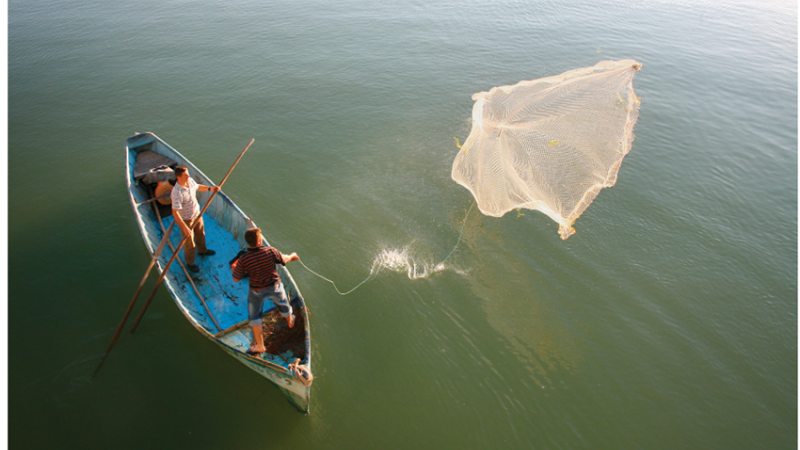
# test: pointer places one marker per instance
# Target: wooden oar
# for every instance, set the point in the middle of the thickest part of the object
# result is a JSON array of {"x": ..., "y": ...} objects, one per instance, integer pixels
[
  {"x": 164, "y": 195},
  {"x": 136, "y": 295},
  {"x": 241, "y": 324},
  {"x": 183, "y": 241},
  {"x": 186, "y": 272},
  {"x": 244, "y": 323}
]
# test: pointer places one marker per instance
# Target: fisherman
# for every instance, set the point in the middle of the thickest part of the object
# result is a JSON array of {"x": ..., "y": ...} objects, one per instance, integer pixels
[
  {"x": 186, "y": 212},
  {"x": 259, "y": 262}
]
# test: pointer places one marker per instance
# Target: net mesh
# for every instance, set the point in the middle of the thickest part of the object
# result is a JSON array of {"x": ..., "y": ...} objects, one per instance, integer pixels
[{"x": 550, "y": 144}]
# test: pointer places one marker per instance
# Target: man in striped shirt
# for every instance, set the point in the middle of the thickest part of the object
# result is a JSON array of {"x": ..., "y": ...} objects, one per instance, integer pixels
[{"x": 260, "y": 264}]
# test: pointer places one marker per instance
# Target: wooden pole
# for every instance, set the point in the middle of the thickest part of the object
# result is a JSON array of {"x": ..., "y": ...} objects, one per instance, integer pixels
[
  {"x": 186, "y": 272},
  {"x": 164, "y": 195},
  {"x": 135, "y": 296},
  {"x": 241, "y": 324},
  {"x": 183, "y": 241}
]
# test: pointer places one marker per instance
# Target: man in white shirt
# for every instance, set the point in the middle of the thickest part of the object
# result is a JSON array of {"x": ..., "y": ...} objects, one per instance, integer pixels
[{"x": 186, "y": 212}]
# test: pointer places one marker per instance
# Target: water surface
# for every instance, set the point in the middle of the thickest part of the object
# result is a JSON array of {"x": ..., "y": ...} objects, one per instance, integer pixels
[{"x": 668, "y": 321}]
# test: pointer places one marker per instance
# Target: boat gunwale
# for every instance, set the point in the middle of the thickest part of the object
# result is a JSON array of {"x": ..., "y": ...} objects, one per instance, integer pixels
[{"x": 149, "y": 244}]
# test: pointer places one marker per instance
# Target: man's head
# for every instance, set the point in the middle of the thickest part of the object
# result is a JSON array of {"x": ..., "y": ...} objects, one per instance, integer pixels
[
  {"x": 253, "y": 237},
  {"x": 182, "y": 174}
]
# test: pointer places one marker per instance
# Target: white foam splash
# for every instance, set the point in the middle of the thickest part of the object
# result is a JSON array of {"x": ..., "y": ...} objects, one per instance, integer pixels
[{"x": 401, "y": 260}]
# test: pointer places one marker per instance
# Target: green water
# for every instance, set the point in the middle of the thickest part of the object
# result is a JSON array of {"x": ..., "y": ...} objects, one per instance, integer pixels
[{"x": 668, "y": 321}]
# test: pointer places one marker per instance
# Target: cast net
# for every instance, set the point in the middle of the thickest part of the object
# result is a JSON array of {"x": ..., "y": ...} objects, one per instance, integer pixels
[{"x": 550, "y": 144}]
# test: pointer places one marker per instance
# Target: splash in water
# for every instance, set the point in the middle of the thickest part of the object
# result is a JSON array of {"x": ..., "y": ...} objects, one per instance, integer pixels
[{"x": 401, "y": 261}]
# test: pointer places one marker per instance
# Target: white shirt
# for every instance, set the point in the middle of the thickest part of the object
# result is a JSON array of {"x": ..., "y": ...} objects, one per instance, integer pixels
[{"x": 184, "y": 200}]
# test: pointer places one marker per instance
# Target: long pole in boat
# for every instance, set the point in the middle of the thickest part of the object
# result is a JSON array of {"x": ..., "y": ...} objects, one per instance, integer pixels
[
  {"x": 152, "y": 263},
  {"x": 185, "y": 272},
  {"x": 183, "y": 241},
  {"x": 164, "y": 195}
]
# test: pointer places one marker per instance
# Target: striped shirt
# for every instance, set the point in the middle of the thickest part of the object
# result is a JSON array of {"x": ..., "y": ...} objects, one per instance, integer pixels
[
  {"x": 260, "y": 264},
  {"x": 184, "y": 200}
]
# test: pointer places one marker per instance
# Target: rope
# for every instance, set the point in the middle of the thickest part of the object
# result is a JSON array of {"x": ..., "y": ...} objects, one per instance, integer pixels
[
  {"x": 301, "y": 373},
  {"x": 460, "y": 233},
  {"x": 334, "y": 284},
  {"x": 374, "y": 272}
]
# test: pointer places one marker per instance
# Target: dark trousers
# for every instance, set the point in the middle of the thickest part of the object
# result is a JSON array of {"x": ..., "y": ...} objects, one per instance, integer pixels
[{"x": 197, "y": 241}]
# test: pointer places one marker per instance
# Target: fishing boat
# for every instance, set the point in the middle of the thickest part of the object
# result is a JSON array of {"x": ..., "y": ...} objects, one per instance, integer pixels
[{"x": 211, "y": 301}]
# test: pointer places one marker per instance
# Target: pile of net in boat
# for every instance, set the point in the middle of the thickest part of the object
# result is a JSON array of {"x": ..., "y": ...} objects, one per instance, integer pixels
[
  {"x": 279, "y": 338},
  {"x": 550, "y": 144}
]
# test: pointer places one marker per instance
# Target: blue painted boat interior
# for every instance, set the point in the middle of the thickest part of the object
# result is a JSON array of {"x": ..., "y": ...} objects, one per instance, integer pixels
[{"x": 225, "y": 224}]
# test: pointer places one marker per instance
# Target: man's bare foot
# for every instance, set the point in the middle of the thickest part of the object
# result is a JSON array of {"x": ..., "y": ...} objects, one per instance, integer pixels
[
  {"x": 290, "y": 319},
  {"x": 254, "y": 349}
]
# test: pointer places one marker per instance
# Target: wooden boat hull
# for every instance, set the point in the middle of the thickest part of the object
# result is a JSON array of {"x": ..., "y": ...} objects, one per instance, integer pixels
[{"x": 210, "y": 300}]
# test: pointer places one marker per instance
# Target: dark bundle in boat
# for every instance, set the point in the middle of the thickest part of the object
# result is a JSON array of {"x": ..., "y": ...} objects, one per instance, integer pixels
[{"x": 279, "y": 338}]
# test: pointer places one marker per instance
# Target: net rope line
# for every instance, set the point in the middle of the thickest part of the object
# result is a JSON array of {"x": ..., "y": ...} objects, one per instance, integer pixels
[{"x": 375, "y": 271}]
